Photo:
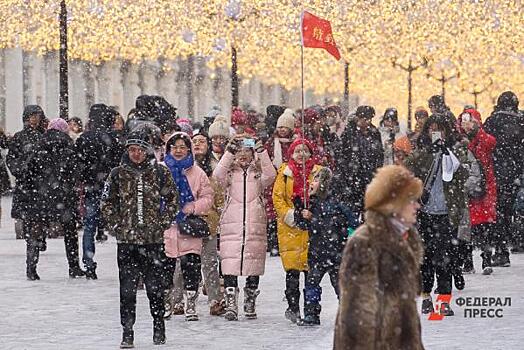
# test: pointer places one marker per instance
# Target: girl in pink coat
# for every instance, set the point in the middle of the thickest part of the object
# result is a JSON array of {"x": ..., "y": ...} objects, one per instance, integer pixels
[
  {"x": 244, "y": 171},
  {"x": 195, "y": 196}
]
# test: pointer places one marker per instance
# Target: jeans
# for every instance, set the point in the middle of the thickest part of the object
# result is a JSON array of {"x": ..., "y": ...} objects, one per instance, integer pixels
[
  {"x": 317, "y": 272},
  {"x": 91, "y": 223}
]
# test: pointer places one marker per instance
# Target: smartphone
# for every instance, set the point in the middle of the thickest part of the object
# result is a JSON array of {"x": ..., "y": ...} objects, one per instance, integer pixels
[
  {"x": 435, "y": 136},
  {"x": 249, "y": 143}
]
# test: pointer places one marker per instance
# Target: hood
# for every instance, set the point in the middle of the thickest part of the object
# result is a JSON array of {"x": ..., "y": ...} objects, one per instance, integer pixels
[{"x": 101, "y": 117}]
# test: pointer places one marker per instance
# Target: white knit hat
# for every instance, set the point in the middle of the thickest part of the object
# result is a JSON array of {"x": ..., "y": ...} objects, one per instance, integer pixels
[
  {"x": 220, "y": 127},
  {"x": 287, "y": 119}
]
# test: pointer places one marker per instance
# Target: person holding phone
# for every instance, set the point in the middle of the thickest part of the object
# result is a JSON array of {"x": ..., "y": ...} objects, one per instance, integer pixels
[
  {"x": 440, "y": 161},
  {"x": 244, "y": 172}
]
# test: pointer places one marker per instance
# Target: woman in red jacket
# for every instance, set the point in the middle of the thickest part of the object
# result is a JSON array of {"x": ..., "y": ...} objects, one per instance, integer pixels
[{"x": 482, "y": 209}]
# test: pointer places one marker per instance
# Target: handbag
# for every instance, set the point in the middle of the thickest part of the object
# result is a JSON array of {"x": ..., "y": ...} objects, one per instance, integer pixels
[{"x": 194, "y": 226}]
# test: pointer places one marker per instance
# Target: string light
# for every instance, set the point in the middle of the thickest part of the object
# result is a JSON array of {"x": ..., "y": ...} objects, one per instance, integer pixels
[{"x": 479, "y": 40}]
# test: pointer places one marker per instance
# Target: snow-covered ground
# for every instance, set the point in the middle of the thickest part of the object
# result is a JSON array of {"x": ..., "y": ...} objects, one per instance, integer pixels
[{"x": 60, "y": 313}]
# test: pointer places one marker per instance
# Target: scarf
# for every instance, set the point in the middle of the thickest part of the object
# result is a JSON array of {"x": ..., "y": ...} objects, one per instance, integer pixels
[
  {"x": 177, "y": 169},
  {"x": 301, "y": 170},
  {"x": 278, "y": 159},
  {"x": 399, "y": 227}
]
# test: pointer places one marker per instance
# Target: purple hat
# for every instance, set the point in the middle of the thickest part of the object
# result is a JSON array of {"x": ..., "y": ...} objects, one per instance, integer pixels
[{"x": 58, "y": 124}]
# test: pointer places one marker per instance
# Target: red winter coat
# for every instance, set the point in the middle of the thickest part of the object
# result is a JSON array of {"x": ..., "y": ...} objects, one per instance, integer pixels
[{"x": 483, "y": 210}]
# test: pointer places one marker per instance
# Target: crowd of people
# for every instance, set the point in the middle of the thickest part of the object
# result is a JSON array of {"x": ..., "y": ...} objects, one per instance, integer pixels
[{"x": 186, "y": 200}]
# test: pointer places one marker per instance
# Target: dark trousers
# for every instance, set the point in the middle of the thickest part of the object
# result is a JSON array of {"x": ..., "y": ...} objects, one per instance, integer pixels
[
  {"x": 232, "y": 281},
  {"x": 190, "y": 264},
  {"x": 437, "y": 235},
  {"x": 272, "y": 239},
  {"x": 507, "y": 194},
  {"x": 317, "y": 270},
  {"x": 149, "y": 261},
  {"x": 35, "y": 234},
  {"x": 293, "y": 289}
]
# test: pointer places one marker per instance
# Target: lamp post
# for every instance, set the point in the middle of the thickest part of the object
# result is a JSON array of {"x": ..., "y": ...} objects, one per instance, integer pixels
[
  {"x": 63, "y": 68},
  {"x": 410, "y": 68}
]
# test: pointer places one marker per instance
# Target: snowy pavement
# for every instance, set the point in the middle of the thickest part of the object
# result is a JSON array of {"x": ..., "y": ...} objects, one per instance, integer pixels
[{"x": 60, "y": 313}]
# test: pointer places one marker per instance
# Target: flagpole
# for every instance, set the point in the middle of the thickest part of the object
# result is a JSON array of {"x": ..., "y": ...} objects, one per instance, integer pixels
[{"x": 302, "y": 107}]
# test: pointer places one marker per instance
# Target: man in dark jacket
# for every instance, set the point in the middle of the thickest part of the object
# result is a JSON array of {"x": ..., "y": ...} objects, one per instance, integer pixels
[
  {"x": 359, "y": 155},
  {"x": 139, "y": 202},
  {"x": 97, "y": 151},
  {"x": 52, "y": 196},
  {"x": 20, "y": 149},
  {"x": 507, "y": 125}
]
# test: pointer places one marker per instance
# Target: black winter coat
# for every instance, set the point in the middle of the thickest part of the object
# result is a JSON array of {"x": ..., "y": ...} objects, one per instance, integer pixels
[
  {"x": 51, "y": 184},
  {"x": 98, "y": 152},
  {"x": 508, "y": 157},
  {"x": 358, "y": 157},
  {"x": 21, "y": 147},
  {"x": 328, "y": 231}
]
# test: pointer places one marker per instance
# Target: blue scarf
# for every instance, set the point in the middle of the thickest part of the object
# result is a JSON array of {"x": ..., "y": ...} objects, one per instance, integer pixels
[{"x": 177, "y": 168}]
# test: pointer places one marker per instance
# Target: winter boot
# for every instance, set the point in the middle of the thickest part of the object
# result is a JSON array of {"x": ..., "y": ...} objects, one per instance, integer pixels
[
  {"x": 468, "y": 260},
  {"x": 486, "y": 263},
  {"x": 231, "y": 304},
  {"x": 178, "y": 309},
  {"x": 191, "y": 298},
  {"x": 501, "y": 257},
  {"x": 76, "y": 271},
  {"x": 159, "y": 331},
  {"x": 427, "y": 304},
  {"x": 460, "y": 283},
  {"x": 445, "y": 310},
  {"x": 293, "y": 310},
  {"x": 168, "y": 304},
  {"x": 91, "y": 272},
  {"x": 250, "y": 298},
  {"x": 127, "y": 339},
  {"x": 217, "y": 308},
  {"x": 101, "y": 237},
  {"x": 312, "y": 307},
  {"x": 32, "y": 255}
]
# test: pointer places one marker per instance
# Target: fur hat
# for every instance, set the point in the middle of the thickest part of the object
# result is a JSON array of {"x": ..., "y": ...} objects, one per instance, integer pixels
[
  {"x": 287, "y": 119},
  {"x": 392, "y": 188},
  {"x": 220, "y": 127}
]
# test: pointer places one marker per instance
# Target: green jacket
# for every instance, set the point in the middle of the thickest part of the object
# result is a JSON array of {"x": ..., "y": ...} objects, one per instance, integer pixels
[
  {"x": 139, "y": 202},
  {"x": 419, "y": 162}
]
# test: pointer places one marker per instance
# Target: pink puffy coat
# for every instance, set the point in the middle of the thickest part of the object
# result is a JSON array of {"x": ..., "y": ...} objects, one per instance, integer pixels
[
  {"x": 176, "y": 244},
  {"x": 243, "y": 237}
]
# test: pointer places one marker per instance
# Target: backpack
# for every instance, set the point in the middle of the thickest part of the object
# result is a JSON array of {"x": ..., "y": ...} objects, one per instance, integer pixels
[{"x": 476, "y": 182}]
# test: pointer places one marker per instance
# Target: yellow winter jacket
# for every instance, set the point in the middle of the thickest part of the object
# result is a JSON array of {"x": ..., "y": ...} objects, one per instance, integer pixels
[{"x": 292, "y": 242}]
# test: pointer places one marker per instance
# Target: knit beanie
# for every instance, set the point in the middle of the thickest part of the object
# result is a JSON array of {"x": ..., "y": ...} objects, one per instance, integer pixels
[
  {"x": 287, "y": 119},
  {"x": 220, "y": 127},
  {"x": 392, "y": 188},
  {"x": 58, "y": 124}
]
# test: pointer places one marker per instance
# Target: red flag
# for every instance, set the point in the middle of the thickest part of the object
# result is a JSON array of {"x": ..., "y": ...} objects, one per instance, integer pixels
[{"x": 317, "y": 33}]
